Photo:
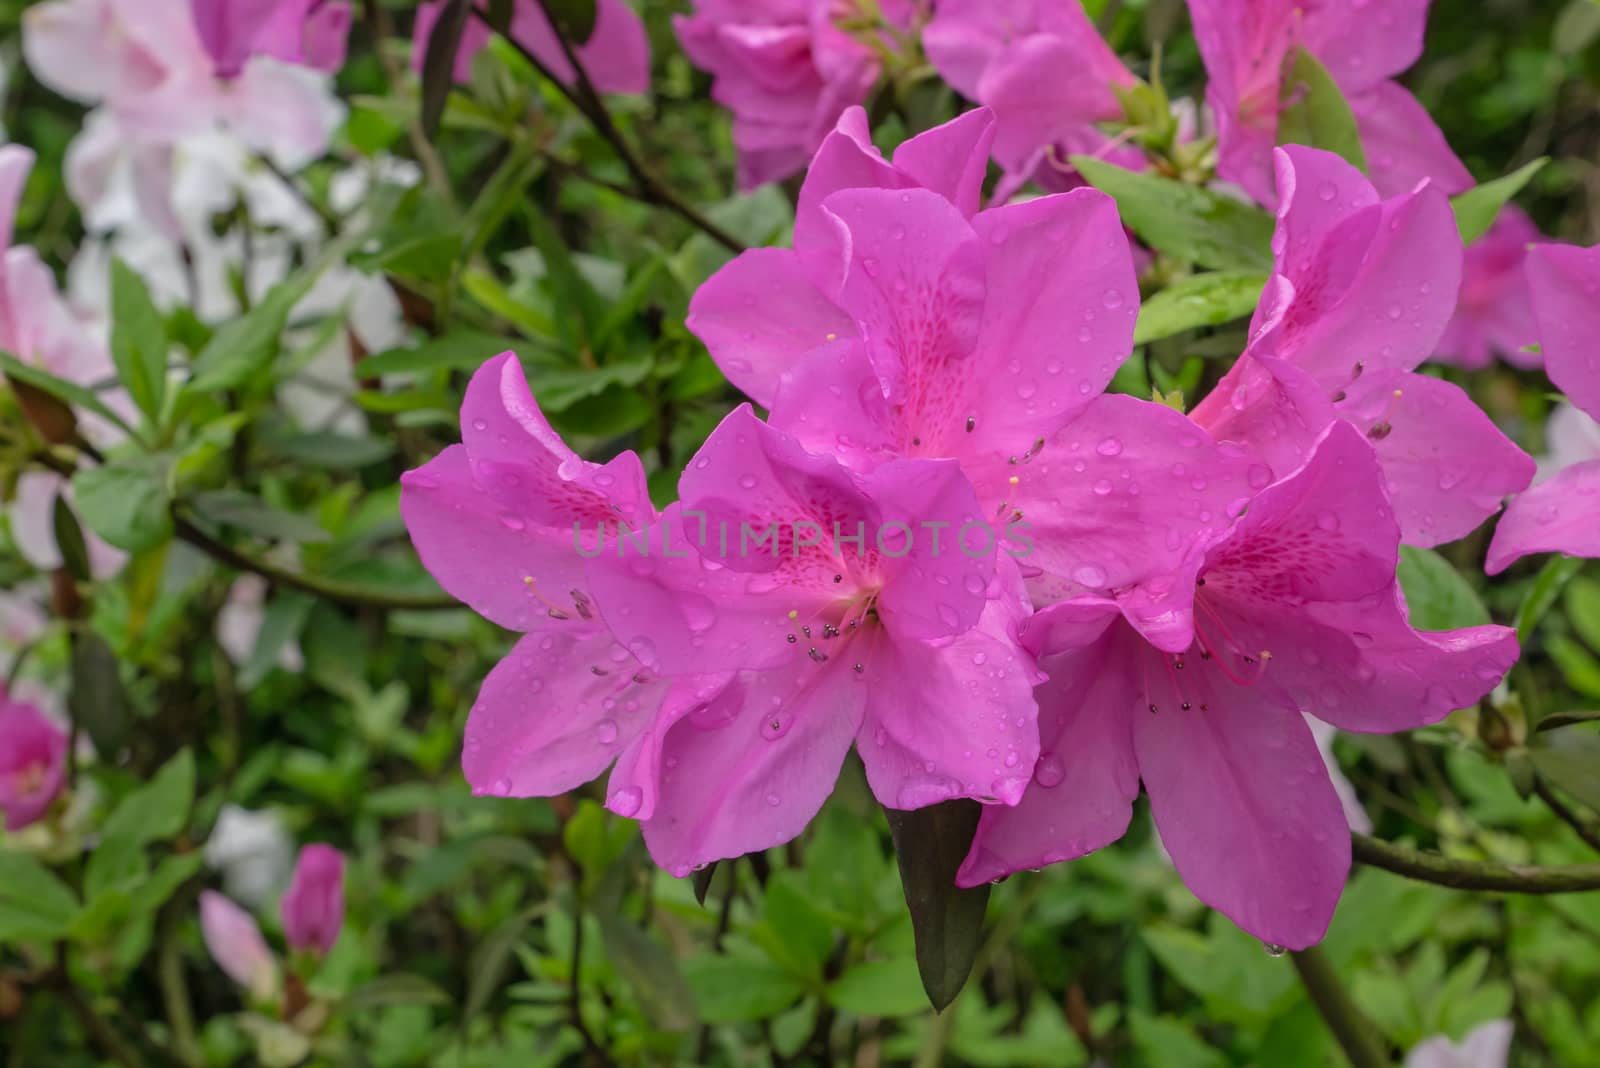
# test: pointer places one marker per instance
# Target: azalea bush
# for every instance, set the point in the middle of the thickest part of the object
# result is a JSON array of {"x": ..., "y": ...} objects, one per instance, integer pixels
[{"x": 776, "y": 532}]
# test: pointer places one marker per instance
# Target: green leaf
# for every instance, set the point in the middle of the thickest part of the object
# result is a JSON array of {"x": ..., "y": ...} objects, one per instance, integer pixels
[
  {"x": 343, "y": 452},
  {"x": 69, "y": 393},
  {"x": 1316, "y": 113},
  {"x": 126, "y": 502},
  {"x": 97, "y": 700},
  {"x": 575, "y": 18},
  {"x": 234, "y": 508},
  {"x": 1544, "y": 592},
  {"x": 880, "y": 988},
  {"x": 246, "y": 345},
  {"x": 439, "y": 62},
  {"x": 35, "y": 906},
  {"x": 560, "y": 390},
  {"x": 1569, "y": 761},
  {"x": 732, "y": 989},
  {"x": 281, "y": 622},
  {"x": 69, "y": 539},
  {"x": 947, "y": 920},
  {"x": 1185, "y": 221},
  {"x": 801, "y": 932},
  {"x": 569, "y": 289},
  {"x": 459, "y": 350},
  {"x": 1583, "y": 610},
  {"x": 1171, "y": 1044},
  {"x": 138, "y": 341},
  {"x": 1477, "y": 208},
  {"x": 159, "y": 809},
  {"x": 651, "y": 970},
  {"x": 1578, "y": 665},
  {"x": 1203, "y": 300},
  {"x": 398, "y": 989},
  {"x": 1437, "y": 595}
]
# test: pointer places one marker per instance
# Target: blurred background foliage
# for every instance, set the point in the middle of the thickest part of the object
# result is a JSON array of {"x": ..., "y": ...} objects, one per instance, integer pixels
[{"x": 490, "y": 932}]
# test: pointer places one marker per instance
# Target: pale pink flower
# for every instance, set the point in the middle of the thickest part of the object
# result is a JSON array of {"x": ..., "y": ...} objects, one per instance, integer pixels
[
  {"x": 313, "y": 906},
  {"x": 33, "y": 762},
  {"x": 234, "y": 941},
  {"x": 147, "y": 64},
  {"x": 1045, "y": 72},
  {"x": 1297, "y": 610},
  {"x": 239, "y": 622},
  {"x": 1361, "y": 290},
  {"x": 786, "y": 70},
  {"x": 1487, "y": 1046},
  {"x": 1494, "y": 315},
  {"x": 1247, "y": 46},
  {"x": 616, "y": 57},
  {"x": 1562, "y": 513}
]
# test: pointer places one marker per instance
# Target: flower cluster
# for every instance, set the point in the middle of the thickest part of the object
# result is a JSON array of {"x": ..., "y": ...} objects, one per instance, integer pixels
[
  {"x": 1122, "y": 594},
  {"x": 788, "y": 68}
]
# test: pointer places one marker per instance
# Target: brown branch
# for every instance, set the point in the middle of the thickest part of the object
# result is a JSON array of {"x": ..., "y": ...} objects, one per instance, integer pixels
[
  {"x": 1587, "y": 829},
  {"x": 1474, "y": 874},
  {"x": 586, "y": 99}
]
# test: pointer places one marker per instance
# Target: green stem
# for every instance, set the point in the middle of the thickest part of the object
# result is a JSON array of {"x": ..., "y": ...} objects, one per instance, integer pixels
[
  {"x": 586, "y": 99},
  {"x": 1354, "y": 1032},
  {"x": 1586, "y": 829},
  {"x": 1475, "y": 874},
  {"x": 330, "y": 589}
]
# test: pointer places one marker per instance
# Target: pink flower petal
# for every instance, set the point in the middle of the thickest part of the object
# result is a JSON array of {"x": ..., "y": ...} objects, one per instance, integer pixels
[
  {"x": 1447, "y": 466},
  {"x": 1403, "y": 144},
  {"x": 313, "y": 906},
  {"x": 1086, "y": 778},
  {"x": 1566, "y": 304},
  {"x": 1245, "y": 808},
  {"x": 1561, "y": 515},
  {"x": 920, "y": 746},
  {"x": 731, "y": 786},
  {"x": 759, "y": 316},
  {"x": 554, "y": 714}
]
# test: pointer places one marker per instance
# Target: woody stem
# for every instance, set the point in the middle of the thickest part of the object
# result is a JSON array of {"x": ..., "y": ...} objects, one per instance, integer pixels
[
  {"x": 1475, "y": 874},
  {"x": 1356, "y": 1036}
]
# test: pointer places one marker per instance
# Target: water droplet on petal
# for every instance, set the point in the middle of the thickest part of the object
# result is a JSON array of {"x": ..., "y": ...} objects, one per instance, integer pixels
[
  {"x": 1049, "y": 772},
  {"x": 626, "y": 802}
]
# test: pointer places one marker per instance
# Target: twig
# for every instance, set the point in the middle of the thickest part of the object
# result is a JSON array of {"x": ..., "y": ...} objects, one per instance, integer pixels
[
  {"x": 104, "y": 1035},
  {"x": 587, "y": 100},
  {"x": 575, "y": 991},
  {"x": 329, "y": 589},
  {"x": 1586, "y": 829},
  {"x": 1354, "y": 1032},
  {"x": 1474, "y": 874}
]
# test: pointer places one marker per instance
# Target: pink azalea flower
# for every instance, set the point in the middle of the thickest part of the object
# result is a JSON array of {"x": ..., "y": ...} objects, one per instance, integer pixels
[
  {"x": 1297, "y": 610},
  {"x": 1044, "y": 71},
  {"x": 1361, "y": 290},
  {"x": 907, "y": 323},
  {"x": 33, "y": 762},
  {"x": 616, "y": 57},
  {"x": 847, "y": 617},
  {"x": 1247, "y": 46},
  {"x": 235, "y": 943},
  {"x": 494, "y": 520},
  {"x": 1494, "y": 315},
  {"x": 313, "y": 906},
  {"x": 1561, "y": 514},
  {"x": 786, "y": 70},
  {"x": 149, "y": 64},
  {"x": 309, "y": 33}
]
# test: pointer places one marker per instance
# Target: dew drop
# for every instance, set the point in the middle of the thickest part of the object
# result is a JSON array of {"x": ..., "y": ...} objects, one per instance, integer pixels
[{"x": 626, "y": 802}]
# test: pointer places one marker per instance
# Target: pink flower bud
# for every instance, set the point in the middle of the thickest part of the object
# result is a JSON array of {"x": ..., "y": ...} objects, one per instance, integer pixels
[
  {"x": 235, "y": 943},
  {"x": 313, "y": 906},
  {"x": 33, "y": 762}
]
